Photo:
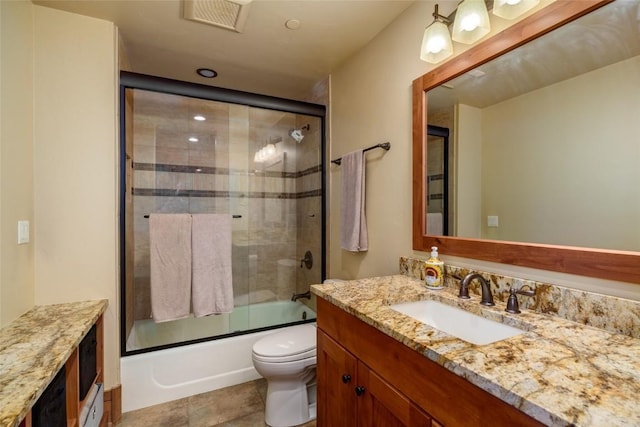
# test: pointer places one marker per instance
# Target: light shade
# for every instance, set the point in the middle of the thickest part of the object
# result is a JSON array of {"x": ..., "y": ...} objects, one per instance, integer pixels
[
  {"x": 510, "y": 9},
  {"x": 471, "y": 22},
  {"x": 436, "y": 43}
]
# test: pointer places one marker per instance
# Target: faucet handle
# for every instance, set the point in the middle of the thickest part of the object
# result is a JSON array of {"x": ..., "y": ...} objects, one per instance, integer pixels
[{"x": 512, "y": 302}]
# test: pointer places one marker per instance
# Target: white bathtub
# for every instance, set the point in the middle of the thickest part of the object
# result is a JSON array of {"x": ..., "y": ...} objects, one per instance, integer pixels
[{"x": 165, "y": 375}]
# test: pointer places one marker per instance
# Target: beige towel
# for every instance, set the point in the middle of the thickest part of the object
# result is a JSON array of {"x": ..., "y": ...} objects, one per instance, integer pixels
[
  {"x": 212, "y": 285},
  {"x": 170, "y": 259},
  {"x": 353, "y": 234}
]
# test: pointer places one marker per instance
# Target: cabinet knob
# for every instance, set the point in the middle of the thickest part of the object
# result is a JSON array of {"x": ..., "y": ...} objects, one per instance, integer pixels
[
  {"x": 359, "y": 390},
  {"x": 346, "y": 378}
]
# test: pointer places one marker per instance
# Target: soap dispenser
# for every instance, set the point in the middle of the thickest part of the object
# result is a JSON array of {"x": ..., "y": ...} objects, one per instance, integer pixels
[{"x": 434, "y": 271}]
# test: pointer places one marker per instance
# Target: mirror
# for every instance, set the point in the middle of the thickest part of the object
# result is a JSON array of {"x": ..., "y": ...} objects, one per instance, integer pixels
[{"x": 530, "y": 217}]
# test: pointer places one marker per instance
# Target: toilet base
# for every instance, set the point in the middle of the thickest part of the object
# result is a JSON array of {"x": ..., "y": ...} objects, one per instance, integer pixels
[{"x": 290, "y": 404}]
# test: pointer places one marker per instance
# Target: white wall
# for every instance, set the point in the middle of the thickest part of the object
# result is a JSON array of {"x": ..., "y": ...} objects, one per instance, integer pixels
[
  {"x": 371, "y": 102},
  {"x": 75, "y": 187},
  {"x": 16, "y": 158}
]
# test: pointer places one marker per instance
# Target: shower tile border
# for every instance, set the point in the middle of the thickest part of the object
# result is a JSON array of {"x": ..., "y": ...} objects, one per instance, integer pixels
[
  {"x": 167, "y": 192},
  {"x": 208, "y": 170}
]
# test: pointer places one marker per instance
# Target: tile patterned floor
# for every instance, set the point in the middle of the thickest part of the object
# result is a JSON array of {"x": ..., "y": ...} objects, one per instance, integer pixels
[{"x": 236, "y": 406}]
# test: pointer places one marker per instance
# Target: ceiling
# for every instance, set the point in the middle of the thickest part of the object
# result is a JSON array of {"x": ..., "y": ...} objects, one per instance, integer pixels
[
  {"x": 266, "y": 57},
  {"x": 601, "y": 38}
]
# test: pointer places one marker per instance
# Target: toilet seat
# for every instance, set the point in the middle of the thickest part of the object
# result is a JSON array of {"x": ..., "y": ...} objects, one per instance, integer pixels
[{"x": 296, "y": 343}]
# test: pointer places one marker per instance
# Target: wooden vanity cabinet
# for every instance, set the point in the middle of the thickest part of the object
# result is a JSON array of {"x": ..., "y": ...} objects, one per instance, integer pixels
[
  {"x": 352, "y": 394},
  {"x": 366, "y": 378}
]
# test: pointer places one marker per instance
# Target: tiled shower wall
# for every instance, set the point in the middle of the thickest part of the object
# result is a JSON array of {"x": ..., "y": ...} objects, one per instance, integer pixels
[{"x": 278, "y": 202}]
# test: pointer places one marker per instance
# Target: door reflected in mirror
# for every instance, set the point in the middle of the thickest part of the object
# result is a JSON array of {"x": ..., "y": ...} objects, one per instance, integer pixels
[{"x": 438, "y": 186}]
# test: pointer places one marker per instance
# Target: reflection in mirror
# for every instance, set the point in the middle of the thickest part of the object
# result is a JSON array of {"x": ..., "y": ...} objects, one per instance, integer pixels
[
  {"x": 438, "y": 181},
  {"x": 598, "y": 159},
  {"x": 551, "y": 132}
]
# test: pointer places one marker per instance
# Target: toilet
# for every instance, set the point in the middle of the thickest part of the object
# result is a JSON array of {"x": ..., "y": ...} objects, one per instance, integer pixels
[{"x": 287, "y": 360}]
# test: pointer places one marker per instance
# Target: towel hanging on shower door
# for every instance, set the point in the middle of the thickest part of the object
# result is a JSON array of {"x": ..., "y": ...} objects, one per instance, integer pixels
[
  {"x": 170, "y": 262},
  {"x": 212, "y": 284}
]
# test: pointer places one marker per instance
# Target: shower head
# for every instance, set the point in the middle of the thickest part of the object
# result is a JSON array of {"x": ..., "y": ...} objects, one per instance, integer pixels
[{"x": 297, "y": 133}]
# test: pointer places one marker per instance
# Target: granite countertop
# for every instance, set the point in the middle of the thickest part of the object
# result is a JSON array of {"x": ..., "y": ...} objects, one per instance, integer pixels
[
  {"x": 34, "y": 347},
  {"x": 559, "y": 372}
]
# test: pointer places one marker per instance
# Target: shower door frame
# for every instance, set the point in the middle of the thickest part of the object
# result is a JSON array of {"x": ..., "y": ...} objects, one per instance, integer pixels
[{"x": 129, "y": 80}]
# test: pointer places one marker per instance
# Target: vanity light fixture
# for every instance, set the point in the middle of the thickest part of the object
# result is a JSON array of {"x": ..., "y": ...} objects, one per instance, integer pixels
[
  {"x": 510, "y": 9},
  {"x": 193, "y": 139},
  {"x": 471, "y": 22},
  {"x": 436, "y": 42},
  {"x": 199, "y": 118}
]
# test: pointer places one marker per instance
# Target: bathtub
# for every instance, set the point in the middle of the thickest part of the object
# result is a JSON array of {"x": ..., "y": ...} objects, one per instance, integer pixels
[{"x": 164, "y": 375}]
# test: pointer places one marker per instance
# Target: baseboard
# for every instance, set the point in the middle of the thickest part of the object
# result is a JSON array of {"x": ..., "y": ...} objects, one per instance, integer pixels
[{"x": 113, "y": 405}]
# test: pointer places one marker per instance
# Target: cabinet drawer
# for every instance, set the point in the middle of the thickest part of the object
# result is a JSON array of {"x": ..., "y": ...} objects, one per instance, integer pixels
[{"x": 91, "y": 414}]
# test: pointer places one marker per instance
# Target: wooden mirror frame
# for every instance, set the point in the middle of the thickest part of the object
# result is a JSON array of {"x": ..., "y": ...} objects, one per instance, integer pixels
[{"x": 601, "y": 263}]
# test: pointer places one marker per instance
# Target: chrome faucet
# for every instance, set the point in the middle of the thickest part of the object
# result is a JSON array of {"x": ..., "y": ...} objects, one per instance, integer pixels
[
  {"x": 295, "y": 296},
  {"x": 487, "y": 296}
]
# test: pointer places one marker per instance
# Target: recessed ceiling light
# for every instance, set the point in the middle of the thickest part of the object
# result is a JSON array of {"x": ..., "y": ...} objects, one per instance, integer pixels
[
  {"x": 199, "y": 118},
  {"x": 193, "y": 139},
  {"x": 207, "y": 73}
]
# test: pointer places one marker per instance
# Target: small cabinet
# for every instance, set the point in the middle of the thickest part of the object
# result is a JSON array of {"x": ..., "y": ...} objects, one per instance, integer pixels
[
  {"x": 69, "y": 395},
  {"x": 350, "y": 393}
]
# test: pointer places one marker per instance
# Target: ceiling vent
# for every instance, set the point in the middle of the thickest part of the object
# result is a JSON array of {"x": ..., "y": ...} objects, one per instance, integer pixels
[{"x": 230, "y": 15}]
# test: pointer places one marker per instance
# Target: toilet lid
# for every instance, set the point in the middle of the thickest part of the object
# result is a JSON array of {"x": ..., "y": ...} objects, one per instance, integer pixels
[{"x": 295, "y": 340}]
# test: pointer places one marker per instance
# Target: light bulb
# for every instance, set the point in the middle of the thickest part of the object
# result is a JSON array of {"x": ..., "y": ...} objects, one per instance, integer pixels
[
  {"x": 435, "y": 44},
  {"x": 470, "y": 22}
]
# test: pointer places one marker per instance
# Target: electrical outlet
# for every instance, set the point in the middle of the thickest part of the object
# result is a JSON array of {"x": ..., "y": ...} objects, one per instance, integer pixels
[
  {"x": 23, "y": 232},
  {"x": 492, "y": 221}
]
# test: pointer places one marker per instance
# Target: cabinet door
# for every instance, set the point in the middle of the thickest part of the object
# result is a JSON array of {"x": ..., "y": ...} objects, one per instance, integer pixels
[
  {"x": 382, "y": 405},
  {"x": 336, "y": 376}
]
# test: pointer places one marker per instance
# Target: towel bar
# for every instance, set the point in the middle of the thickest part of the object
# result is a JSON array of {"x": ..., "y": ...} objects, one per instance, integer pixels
[
  {"x": 384, "y": 145},
  {"x": 233, "y": 216}
]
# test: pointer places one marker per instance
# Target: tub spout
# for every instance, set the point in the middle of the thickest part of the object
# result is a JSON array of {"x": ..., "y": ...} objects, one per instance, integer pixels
[{"x": 295, "y": 297}]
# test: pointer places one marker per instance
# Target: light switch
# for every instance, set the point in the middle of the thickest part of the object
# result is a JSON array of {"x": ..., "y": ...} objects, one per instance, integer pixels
[
  {"x": 23, "y": 232},
  {"x": 492, "y": 221}
]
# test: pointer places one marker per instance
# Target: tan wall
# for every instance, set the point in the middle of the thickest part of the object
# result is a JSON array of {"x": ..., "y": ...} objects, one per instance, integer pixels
[
  {"x": 16, "y": 158},
  {"x": 370, "y": 103},
  {"x": 75, "y": 186},
  {"x": 537, "y": 143}
]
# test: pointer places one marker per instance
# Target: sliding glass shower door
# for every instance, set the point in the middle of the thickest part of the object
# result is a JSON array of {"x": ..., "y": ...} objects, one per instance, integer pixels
[{"x": 261, "y": 166}]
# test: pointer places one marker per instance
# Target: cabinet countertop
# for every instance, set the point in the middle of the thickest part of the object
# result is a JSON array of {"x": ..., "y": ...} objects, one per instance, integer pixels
[
  {"x": 34, "y": 347},
  {"x": 559, "y": 372}
]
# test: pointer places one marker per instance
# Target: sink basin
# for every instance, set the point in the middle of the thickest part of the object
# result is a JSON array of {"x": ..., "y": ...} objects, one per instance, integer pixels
[{"x": 459, "y": 323}]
